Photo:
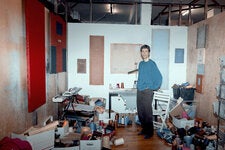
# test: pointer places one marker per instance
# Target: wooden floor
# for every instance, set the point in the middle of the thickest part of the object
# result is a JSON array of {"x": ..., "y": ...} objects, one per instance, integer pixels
[{"x": 132, "y": 141}]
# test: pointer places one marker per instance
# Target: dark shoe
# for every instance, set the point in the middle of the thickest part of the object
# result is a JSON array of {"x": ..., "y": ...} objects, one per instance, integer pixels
[
  {"x": 141, "y": 133},
  {"x": 147, "y": 136}
]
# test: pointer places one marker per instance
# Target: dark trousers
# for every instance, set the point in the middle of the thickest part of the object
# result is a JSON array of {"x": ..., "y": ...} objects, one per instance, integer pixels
[{"x": 144, "y": 109}]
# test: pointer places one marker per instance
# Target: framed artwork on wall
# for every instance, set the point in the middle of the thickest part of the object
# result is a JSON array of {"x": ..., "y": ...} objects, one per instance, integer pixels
[
  {"x": 199, "y": 80},
  {"x": 179, "y": 55},
  {"x": 119, "y": 51},
  {"x": 201, "y": 36},
  {"x": 81, "y": 65},
  {"x": 201, "y": 61}
]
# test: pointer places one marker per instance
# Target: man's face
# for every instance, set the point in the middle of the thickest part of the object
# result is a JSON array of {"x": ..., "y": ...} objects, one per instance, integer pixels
[{"x": 145, "y": 53}]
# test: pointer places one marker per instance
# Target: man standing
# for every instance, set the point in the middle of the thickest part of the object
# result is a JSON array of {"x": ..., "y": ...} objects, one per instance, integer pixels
[{"x": 149, "y": 80}]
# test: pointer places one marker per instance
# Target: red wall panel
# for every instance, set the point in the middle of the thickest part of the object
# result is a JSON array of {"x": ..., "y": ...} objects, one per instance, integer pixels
[
  {"x": 35, "y": 47},
  {"x": 58, "y": 38}
]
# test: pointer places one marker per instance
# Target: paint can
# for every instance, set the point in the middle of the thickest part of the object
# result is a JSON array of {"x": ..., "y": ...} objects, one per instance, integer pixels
[
  {"x": 118, "y": 85},
  {"x": 70, "y": 129},
  {"x": 76, "y": 142},
  {"x": 119, "y": 141},
  {"x": 106, "y": 142},
  {"x": 85, "y": 130},
  {"x": 110, "y": 122},
  {"x": 122, "y": 85},
  {"x": 101, "y": 123}
]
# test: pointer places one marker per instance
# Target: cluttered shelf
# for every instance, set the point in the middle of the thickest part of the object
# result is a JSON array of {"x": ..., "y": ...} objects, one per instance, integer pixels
[{"x": 219, "y": 106}]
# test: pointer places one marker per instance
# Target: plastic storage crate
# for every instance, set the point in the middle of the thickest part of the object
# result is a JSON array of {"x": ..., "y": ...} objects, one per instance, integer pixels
[{"x": 187, "y": 93}]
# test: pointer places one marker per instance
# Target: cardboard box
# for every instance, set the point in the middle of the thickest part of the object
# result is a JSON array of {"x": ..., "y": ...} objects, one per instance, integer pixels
[
  {"x": 67, "y": 148},
  {"x": 176, "y": 116},
  {"x": 177, "y": 111},
  {"x": 40, "y": 141},
  {"x": 90, "y": 144}
]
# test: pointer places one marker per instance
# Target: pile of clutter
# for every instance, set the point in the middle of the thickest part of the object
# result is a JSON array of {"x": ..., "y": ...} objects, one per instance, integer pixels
[
  {"x": 99, "y": 129},
  {"x": 201, "y": 136},
  {"x": 188, "y": 132}
]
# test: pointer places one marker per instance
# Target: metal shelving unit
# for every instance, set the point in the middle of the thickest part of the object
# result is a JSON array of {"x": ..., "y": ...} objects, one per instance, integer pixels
[{"x": 221, "y": 107}]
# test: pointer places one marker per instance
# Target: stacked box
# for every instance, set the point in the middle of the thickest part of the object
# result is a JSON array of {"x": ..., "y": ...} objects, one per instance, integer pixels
[
  {"x": 67, "y": 148},
  {"x": 43, "y": 140},
  {"x": 90, "y": 144}
]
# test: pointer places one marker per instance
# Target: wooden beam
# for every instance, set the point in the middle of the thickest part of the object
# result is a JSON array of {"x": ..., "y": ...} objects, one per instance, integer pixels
[
  {"x": 91, "y": 11},
  {"x": 160, "y": 13},
  {"x": 160, "y": 16},
  {"x": 214, "y": 1},
  {"x": 189, "y": 16},
  {"x": 205, "y": 9},
  {"x": 180, "y": 14},
  {"x": 194, "y": 1},
  {"x": 136, "y": 13}
]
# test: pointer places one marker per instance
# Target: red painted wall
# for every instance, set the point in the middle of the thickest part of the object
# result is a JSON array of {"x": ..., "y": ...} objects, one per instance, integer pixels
[{"x": 58, "y": 38}]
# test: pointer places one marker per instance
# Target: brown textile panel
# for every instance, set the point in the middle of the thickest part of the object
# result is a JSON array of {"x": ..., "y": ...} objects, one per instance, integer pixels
[{"x": 96, "y": 60}]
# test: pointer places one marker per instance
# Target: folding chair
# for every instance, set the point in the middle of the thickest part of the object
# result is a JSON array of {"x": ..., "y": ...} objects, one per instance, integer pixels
[{"x": 160, "y": 108}]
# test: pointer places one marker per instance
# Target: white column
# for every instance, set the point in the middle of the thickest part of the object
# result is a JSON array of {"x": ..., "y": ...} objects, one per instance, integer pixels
[{"x": 146, "y": 13}]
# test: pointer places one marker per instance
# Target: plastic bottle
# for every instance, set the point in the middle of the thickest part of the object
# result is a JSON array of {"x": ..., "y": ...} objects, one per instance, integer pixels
[
  {"x": 210, "y": 147},
  {"x": 135, "y": 84},
  {"x": 126, "y": 120},
  {"x": 122, "y": 120}
]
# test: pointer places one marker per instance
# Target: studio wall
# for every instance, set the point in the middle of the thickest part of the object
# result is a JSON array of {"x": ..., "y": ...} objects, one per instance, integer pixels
[{"x": 214, "y": 49}]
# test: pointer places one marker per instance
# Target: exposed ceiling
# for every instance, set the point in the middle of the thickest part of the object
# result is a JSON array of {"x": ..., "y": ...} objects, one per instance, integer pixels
[{"x": 164, "y": 12}]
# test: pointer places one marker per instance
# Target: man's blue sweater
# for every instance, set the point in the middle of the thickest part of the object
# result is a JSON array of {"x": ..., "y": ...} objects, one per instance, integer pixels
[{"x": 149, "y": 76}]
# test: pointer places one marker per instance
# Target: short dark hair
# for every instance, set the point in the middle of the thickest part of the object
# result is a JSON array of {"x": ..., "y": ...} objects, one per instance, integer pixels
[{"x": 145, "y": 46}]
